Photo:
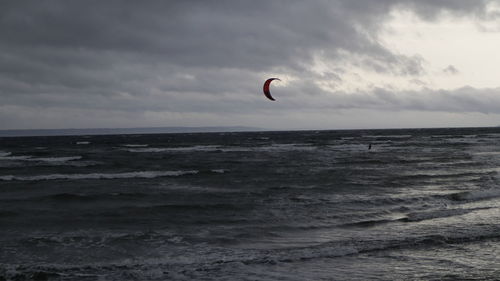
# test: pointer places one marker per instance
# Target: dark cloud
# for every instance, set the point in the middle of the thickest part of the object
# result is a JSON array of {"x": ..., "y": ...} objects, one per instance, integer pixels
[{"x": 190, "y": 56}]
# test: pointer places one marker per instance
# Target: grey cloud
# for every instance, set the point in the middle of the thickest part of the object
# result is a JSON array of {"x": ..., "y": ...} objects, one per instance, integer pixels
[
  {"x": 451, "y": 70},
  {"x": 462, "y": 100},
  {"x": 432, "y": 9},
  {"x": 255, "y": 35},
  {"x": 192, "y": 56}
]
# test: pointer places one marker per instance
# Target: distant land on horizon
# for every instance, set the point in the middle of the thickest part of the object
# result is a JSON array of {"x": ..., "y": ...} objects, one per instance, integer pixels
[
  {"x": 174, "y": 130},
  {"x": 121, "y": 131}
]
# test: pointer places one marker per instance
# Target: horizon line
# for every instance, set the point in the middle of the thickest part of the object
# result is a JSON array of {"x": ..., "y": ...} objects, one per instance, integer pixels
[{"x": 183, "y": 130}]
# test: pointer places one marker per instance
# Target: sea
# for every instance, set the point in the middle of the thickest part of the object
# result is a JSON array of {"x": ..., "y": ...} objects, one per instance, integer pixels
[{"x": 420, "y": 204}]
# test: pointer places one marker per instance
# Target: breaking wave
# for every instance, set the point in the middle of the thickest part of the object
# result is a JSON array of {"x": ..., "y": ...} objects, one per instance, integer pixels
[
  {"x": 477, "y": 195},
  {"x": 174, "y": 149},
  {"x": 135, "y": 145},
  {"x": 127, "y": 175},
  {"x": 209, "y": 148},
  {"x": 40, "y": 159},
  {"x": 421, "y": 216}
]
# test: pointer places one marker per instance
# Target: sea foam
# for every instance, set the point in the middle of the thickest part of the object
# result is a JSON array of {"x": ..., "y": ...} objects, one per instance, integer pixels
[
  {"x": 41, "y": 159},
  {"x": 175, "y": 149},
  {"x": 127, "y": 175},
  {"x": 135, "y": 145}
]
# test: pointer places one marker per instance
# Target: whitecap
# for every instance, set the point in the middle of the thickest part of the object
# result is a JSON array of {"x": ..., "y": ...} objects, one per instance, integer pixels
[
  {"x": 388, "y": 136},
  {"x": 218, "y": 171},
  {"x": 55, "y": 159},
  {"x": 126, "y": 175},
  {"x": 175, "y": 149},
  {"x": 135, "y": 145},
  {"x": 147, "y": 150},
  {"x": 15, "y": 158},
  {"x": 286, "y": 147},
  {"x": 41, "y": 159}
]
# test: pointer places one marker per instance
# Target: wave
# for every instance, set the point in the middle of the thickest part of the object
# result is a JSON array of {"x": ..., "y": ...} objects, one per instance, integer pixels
[
  {"x": 139, "y": 210},
  {"x": 147, "y": 150},
  {"x": 447, "y": 174},
  {"x": 352, "y": 247},
  {"x": 210, "y": 148},
  {"x": 476, "y": 195},
  {"x": 219, "y": 171},
  {"x": 4, "y": 153},
  {"x": 200, "y": 259},
  {"x": 41, "y": 159},
  {"x": 287, "y": 147},
  {"x": 486, "y": 153},
  {"x": 175, "y": 149},
  {"x": 428, "y": 215},
  {"x": 369, "y": 223},
  {"x": 15, "y": 158},
  {"x": 65, "y": 197},
  {"x": 348, "y": 147},
  {"x": 388, "y": 136},
  {"x": 135, "y": 145},
  {"x": 82, "y": 142},
  {"x": 127, "y": 175},
  {"x": 55, "y": 159}
]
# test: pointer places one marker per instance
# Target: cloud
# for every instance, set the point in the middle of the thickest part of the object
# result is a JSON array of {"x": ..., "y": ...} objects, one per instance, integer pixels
[
  {"x": 450, "y": 69},
  {"x": 195, "y": 56},
  {"x": 461, "y": 100}
]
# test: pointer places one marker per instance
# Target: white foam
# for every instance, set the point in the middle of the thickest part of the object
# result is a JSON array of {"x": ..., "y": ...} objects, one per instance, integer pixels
[
  {"x": 349, "y": 147},
  {"x": 41, "y": 159},
  {"x": 487, "y": 153},
  {"x": 286, "y": 147},
  {"x": 55, "y": 159},
  {"x": 463, "y": 140},
  {"x": 175, "y": 149},
  {"x": 219, "y": 171},
  {"x": 267, "y": 148},
  {"x": 387, "y": 136},
  {"x": 135, "y": 145},
  {"x": 127, "y": 175},
  {"x": 147, "y": 150},
  {"x": 205, "y": 148},
  {"x": 21, "y": 157}
]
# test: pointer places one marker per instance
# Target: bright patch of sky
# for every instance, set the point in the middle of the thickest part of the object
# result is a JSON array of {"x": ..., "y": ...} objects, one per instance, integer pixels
[{"x": 456, "y": 51}]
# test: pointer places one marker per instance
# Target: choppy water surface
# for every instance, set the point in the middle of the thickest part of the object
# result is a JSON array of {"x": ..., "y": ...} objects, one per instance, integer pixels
[{"x": 308, "y": 205}]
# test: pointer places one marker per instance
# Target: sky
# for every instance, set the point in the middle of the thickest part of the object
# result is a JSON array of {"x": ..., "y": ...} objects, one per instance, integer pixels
[{"x": 343, "y": 64}]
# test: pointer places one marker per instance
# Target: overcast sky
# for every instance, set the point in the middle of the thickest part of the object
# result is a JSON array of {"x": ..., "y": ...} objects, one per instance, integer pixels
[{"x": 343, "y": 63}]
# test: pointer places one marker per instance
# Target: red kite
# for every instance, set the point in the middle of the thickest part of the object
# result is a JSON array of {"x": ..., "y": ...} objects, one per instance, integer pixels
[{"x": 266, "y": 88}]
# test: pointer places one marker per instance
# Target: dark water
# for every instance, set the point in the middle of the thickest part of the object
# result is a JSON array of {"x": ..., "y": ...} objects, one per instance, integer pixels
[{"x": 310, "y": 205}]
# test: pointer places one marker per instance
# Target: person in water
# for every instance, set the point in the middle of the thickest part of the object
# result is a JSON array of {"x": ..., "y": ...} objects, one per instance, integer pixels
[{"x": 369, "y": 146}]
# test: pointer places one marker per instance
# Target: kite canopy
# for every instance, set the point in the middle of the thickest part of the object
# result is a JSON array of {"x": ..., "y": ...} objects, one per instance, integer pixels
[{"x": 267, "y": 93}]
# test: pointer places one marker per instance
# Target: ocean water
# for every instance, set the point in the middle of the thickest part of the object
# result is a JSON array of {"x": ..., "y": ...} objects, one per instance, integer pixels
[{"x": 421, "y": 204}]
